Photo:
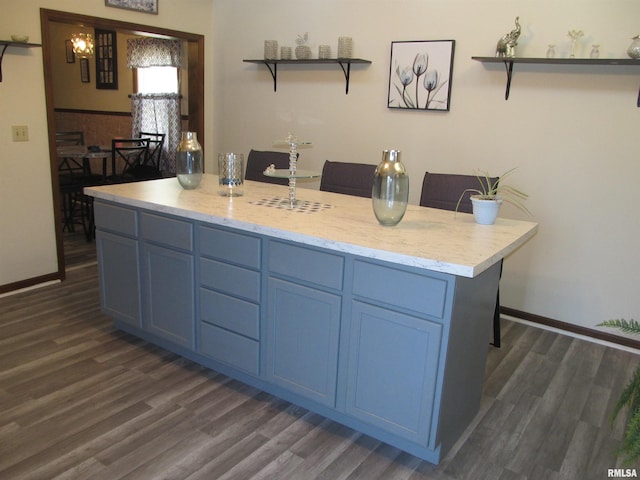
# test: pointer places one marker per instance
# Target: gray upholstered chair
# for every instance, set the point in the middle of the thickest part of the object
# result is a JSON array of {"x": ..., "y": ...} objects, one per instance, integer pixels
[
  {"x": 258, "y": 161},
  {"x": 443, "y": 190},
  {"x": 347, "y": 178}
]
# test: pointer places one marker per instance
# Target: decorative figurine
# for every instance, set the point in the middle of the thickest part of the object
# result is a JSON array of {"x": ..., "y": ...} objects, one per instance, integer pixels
[
  {"x": 303, "y": 51},
  {"x": 634, "y": 48},
  {"x": 574, "y": 35},
  {"x": 506, "y": 46}
]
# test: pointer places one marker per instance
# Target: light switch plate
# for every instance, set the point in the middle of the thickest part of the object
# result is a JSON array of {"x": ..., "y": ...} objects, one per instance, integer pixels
[{"x": 20, "y": 133}]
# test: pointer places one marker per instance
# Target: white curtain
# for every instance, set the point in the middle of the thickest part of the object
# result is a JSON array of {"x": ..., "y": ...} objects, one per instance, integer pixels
[{"x": 156, "y": 113}]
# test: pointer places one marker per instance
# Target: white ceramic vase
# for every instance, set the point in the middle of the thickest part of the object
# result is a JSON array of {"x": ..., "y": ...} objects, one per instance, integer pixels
[{"x": 485, "y": 211}]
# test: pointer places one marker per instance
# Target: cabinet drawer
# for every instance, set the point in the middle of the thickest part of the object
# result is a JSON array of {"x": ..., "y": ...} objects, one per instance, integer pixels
[
  {"x": 230, "y": 247},
  {"x": 167, "y": 231},
  {"x": 423, "y": 293},
  {"x": 116, "y": 219},
  {"x": 313, "y": 266},
  {"x": 226, "y": 278},
  {"x": 231, "y": 313},
  {"x": 230, "y": 348}
]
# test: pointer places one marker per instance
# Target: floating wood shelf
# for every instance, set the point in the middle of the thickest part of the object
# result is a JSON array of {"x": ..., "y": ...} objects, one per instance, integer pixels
[
  {"x": 9, "y": 43},
  {"x": 345, "y": 64},
  {"x": 509, "y": 61}
]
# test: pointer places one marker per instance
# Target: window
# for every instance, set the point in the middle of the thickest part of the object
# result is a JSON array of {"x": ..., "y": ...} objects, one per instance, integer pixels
[{"x": 157, "y": 80}]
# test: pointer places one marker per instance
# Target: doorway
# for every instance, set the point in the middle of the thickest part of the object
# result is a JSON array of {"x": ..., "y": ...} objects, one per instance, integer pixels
[{"x": 195, "y": 88}]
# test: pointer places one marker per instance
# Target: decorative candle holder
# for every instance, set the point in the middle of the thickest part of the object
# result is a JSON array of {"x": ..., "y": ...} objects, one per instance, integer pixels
[
  {"x": 345, "y": 47},
  {"x": 270, "y": 50},
  {"x": 324, "y": 51},
  {"x": 286, "y": 53},
  {"x": 293, "y": 143}
]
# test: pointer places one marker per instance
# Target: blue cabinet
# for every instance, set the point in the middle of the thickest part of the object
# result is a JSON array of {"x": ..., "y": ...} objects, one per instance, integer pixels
[
  {"x": 230, "y": 294},
  {"x": 169, "y": 294},
  {"x": 303, "y": 328},
  {"x": 394, "y": 351},
  {"x": 118, "y": 260},
  {"x": 169, "y": 276},
  {"x": 304, "y": 298},
  {"x": 392, "y": 370}
]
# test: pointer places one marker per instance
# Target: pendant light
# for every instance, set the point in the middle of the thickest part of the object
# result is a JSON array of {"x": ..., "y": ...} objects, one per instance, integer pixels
[{"x": 83, "y": 45}]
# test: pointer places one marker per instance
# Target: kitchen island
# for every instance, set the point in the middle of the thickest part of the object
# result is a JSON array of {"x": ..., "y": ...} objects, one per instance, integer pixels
[{"x": 384, "y": 329}]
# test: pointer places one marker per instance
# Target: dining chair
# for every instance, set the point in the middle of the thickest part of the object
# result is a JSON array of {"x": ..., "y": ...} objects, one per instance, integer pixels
[
  {"x": 67, "y": 166},
  {"x": 126, "y": 155},
  {"x": 347, "y": 178},
  {"x": 151, "y": 167},
  {"x": 258, "y": 161},
  {"x": 443, "y": 191}
]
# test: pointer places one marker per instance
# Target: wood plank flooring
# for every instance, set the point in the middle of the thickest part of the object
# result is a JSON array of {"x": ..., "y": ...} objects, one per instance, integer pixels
[{"x": 81, "y": 400}]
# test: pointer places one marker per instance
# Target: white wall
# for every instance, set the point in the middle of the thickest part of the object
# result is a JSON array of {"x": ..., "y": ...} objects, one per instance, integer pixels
[
  {"x": 27, "y": 240},
  {"x": 571, "y": 131}
]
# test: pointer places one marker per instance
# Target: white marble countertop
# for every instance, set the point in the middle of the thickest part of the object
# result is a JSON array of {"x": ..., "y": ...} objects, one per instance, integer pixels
[{"x": 428, "y": 238}]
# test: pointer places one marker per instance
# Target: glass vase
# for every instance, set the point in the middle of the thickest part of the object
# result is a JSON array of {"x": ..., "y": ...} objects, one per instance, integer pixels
[
  {"x": 189, "y": 165},
  {"x": 390, "y": 193}
]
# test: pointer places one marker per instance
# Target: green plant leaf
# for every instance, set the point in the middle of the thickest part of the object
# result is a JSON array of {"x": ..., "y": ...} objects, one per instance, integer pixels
[
  {"x": 627, "y": 326},
  {"x": 498, "y": 188},
  {"x": 630, "y": 396}
]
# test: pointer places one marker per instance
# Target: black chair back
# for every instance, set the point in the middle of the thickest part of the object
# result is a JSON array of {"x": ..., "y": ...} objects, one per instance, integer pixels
[
  {"x": 152, "y": 166},
  {"x": 443, "y": 190},
  {"x": 348, "y": 178},
  {"x": 156, "y": 142},
  {"x": 258, "y": 161},
  {"x": 126, "y": 155},
  {"x": 68, "y": 167}
]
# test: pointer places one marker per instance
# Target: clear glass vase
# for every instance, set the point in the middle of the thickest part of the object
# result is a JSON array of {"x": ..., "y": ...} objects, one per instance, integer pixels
[
  {"x": 189, "y": 165},
  {"x": 390, "y": 193}
]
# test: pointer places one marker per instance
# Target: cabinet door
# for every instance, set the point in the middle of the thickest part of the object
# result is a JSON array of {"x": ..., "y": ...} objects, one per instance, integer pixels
[
  {"x": 169, "y": 294},
  {"x": 303, "y": 332},
  {"x": 118, "y": 262},
  {"x": 392, "y": 370}
]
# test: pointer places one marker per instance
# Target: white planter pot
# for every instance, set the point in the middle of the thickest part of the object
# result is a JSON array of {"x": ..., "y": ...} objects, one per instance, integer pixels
[{"x": 485, "y": 211}]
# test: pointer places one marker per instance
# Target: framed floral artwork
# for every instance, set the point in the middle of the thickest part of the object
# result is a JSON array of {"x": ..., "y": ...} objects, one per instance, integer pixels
[
  {"x": 420, "y": 75},
  {"x": 146, "y": 6}
]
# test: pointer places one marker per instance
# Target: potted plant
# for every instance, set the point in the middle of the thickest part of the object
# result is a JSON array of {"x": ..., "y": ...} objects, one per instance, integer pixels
[
  {"x": 486, "y": 199},
  {"x": 630, "y": 448}
]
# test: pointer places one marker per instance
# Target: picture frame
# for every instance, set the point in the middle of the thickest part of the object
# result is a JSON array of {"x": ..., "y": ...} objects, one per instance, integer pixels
[
  {"x": 106, "y": 55},
  {"x": 84, "y": 70},
  {"x": 68, "y": 47},
  {"x": 420, "y": 75},
  {"x": 145, "y": 6}
]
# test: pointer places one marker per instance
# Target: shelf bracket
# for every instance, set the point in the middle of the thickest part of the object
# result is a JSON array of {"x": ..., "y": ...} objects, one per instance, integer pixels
[
  {"x": 347, "y": 74},
  {"x": 508, "y": 65},
  {"x": 274, "y": 73},
  {"x": 1, "y": 57}
]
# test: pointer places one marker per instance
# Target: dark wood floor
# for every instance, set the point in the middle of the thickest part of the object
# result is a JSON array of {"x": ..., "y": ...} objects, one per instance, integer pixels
[{"x": 81, "y": 400}]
